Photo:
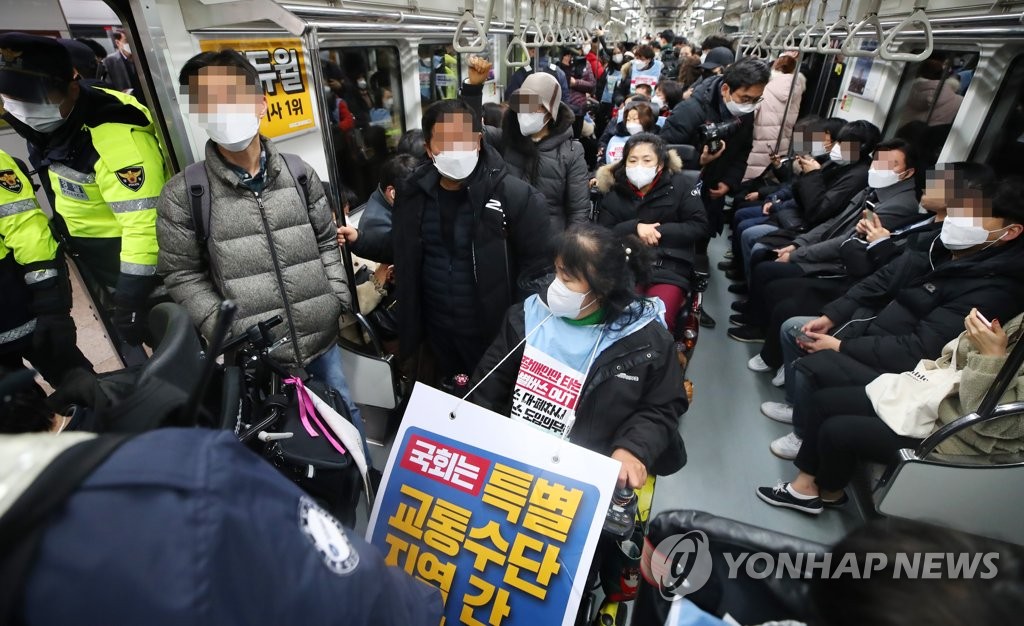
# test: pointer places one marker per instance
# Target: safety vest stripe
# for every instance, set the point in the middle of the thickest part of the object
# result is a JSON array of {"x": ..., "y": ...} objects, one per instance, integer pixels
[
  {"x": 66, "y": 172},
  {"x": 18, "y": 206},
  {"x": 17, "y": 333},
  {"x": 137, "y": 269},
  {"x": 131, "y": 206},
  {"x": 39, "y": 276}
]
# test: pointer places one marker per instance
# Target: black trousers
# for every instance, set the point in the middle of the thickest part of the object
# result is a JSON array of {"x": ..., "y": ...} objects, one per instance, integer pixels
[
  {"x": 763, "y": 281},
  {"x": 840, "y": 430},
  {"x": 792, "y": 297},
  {"x": 822, "y": 370},
  {"x": 454, "y": 354}
]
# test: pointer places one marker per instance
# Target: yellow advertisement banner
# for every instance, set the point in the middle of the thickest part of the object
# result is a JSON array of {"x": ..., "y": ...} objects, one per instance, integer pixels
[{"x": 281, "y": 64}]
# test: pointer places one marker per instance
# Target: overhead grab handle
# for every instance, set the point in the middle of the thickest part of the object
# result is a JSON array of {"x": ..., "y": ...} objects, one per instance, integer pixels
[
  {"x": 807, "y": 42},
  {"x": 850, "y": 48},
  {"x": 887, "y": 50},
  {"x": 517, "y": 50},
  {"x": 478, "y": 44},
  {"x": 840, "y": 25},
  {"x": 801, "y": 27}
]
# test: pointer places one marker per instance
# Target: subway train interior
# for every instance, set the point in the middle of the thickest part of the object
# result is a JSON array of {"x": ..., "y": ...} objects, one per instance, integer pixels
[{"x": 790, "y": 234}]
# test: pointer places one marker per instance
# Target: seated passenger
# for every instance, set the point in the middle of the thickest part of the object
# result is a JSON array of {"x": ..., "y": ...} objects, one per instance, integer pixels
[
  {"x": 841, "y": 426},
  {"x": 637, "y": 117},
  {"x": 262, "y": 247},
  {"x": 592, "y": 320},
  {"x": 911, "y": 307},
  {"x": 648, "y": 194},
  {"x": 372, "y": 240},
  {"x": 891, "y": 195},
  {"x": 468, "y": 241},
  {"x": 536, "y": 141},
  {"x": 869, "y": 251}
]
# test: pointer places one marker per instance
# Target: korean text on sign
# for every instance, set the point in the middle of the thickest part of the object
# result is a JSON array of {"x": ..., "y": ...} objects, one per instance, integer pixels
[{"x": 491, "y": 534}]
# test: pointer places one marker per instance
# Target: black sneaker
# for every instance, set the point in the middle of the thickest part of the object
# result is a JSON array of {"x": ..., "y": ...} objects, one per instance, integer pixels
[
  {"x": 706, "y": 321},
  {"x": 838, "y": 502},
  {"x": 736, "y": 274},
  {"x": 740, "y": 319},
  {"x": 747, "y": 334},
  {"x": 740, "y": 289},
  {"x": 779, "y": 496},
  {"x": 740, "y": 306},
  {"x": 725, "y": 266}
]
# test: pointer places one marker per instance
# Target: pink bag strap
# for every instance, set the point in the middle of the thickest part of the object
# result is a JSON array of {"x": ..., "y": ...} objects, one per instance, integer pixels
[{"x": 308, "y": 415}]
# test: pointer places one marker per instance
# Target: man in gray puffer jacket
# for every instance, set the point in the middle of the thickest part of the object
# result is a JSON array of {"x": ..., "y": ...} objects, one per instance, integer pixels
[{"x": 265, "y": 250}]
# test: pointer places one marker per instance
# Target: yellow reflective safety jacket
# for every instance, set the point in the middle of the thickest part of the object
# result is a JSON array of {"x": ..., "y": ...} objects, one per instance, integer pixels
[{"x": 106, "y": 179}]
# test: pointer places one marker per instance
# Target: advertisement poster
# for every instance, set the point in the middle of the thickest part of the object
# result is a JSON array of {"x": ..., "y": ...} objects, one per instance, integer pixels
[
  {"x": 281, "y": 64},
  {"x": 864, "y": 82},
  {"x": 501, "y": 517}
]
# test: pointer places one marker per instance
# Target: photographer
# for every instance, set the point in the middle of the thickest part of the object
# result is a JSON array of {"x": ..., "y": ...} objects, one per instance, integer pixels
[{"x": 733, "y": 97}]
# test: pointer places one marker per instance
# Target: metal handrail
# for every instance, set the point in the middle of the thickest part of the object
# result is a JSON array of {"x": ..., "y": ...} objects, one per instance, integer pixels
[
  {"x": 825, "y": 43},
  {"x": 870, "y": 20},
  {"x": 887, "y": 47},
  {"x": 967, "y": 421},
  {"x": 516, "y": 43},
  {"x": 807, "y": 42}
]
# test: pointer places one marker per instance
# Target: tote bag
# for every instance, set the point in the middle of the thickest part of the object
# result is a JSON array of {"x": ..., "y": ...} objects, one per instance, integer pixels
[{"x": 908, "y": 402}]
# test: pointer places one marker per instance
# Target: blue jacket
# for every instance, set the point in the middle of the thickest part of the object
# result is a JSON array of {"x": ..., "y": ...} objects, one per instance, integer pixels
[{"x": 187, "y": 526}]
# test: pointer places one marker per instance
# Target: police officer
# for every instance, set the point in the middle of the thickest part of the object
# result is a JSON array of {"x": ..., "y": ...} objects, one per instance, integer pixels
[
  {"x": 35, "y": 320},
  {"x": 104, "y": 162}
]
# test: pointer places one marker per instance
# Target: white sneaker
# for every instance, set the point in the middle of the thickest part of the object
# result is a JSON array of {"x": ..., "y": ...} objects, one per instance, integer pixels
[
  {"x": 778, "y": 411},
  {"x": 779, "y": 380},
  {"x": 787, "y": 447},
  {"x": 757, "y": 364}
]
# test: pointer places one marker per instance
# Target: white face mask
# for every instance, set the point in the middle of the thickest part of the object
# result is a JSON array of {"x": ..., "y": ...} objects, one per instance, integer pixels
[
  {"x": 564, "y": 302},
  {"x": 960, "y": 233},
  {"x": 230, "y": 129},
  {"x": 657, "y": 103},
  {"x": 634, "y": 127},
  {"x": 456, "y": 164},
  {"x": 738, "y": 109},
  {"x": 388, "y": 103},
  {"x": 587, "y": 48},
  {"x": 836, "y": 155},
  {"x": 361, "y": 83},
  {"x": 640, "y": 175},
  {"x": 617, "y": 58},
  {"x": 43, "y": 117},
  {"x": 127, "y": 48},
  {"x": 818, "y": 148},
  {"x": 880, "y": 179},
  {"x": 530, "y": 123}
]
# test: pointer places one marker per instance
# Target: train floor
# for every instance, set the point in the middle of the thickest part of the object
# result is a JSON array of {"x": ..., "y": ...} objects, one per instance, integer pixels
[{"x": 727, "y": 437}]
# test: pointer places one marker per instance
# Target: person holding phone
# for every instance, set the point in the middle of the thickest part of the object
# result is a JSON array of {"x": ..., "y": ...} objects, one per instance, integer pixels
[
  {"x": 910, "y": 308},
  {"x": 842, "y": 427}
]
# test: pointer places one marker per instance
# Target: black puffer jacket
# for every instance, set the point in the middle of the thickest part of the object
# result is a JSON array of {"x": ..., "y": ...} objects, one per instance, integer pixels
[
  {"x": 706, "y": 105},
  {"x": 671, "y": 202},
  {"x": 632, "y": 398},
  {"x": 907, "y": 311},
  {"x": 822, "y": 194},
  {"x": 511, "y": 244},
  {"x": 555, "y": 165}
]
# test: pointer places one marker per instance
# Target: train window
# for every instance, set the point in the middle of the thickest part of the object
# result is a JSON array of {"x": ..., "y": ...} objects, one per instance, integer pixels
[
  {"x": 440, "y": 73},
  {"x": 1002, "y": 140},
  {"x": 928, "y": 99},
  {"x": 364, "y": 91}
]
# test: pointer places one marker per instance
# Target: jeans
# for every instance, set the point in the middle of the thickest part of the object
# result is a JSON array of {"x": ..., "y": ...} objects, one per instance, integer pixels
[
  {"x": 327, "y": 368},
  {"x": 749, "y": 238},
  {"x": 791, "y": 352}
]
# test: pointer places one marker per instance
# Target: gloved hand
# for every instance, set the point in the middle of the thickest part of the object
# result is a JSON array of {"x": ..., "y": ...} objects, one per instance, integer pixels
[
  {"x": 54, "y": 332},
  {"x": 131, "y": 323}
]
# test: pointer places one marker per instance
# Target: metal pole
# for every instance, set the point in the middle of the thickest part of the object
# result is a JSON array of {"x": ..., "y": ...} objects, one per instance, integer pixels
[{"x": 789, "y": 101}]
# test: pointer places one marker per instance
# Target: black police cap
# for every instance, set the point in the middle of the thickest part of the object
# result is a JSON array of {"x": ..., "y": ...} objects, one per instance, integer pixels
[{"x": 29, "y": 64}]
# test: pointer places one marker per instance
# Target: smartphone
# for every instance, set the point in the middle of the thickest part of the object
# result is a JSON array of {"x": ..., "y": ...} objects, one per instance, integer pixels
[
  {"x": 983, "y": 319},
  {"x": 801, "y": 335},
  {"x": 869, "y": 214}
]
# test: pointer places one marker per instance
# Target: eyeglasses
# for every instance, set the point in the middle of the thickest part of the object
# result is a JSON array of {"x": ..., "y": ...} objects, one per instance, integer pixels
[{"x": 747, "y": 100}]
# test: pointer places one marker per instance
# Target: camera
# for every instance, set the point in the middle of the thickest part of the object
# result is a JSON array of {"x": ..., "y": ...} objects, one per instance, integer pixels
[
  {"x": 621, "y": 517},
  {"x": 712, "y": 134}
]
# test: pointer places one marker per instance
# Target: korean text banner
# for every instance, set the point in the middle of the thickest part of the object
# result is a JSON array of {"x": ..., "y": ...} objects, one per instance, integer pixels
[
  {"x": 501, "y": 517},
  {"x": 281, "y": 64}
]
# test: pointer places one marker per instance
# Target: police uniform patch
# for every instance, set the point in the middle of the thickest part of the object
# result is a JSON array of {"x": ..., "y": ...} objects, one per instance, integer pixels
[
  {"x": 10, "y": 181},
  {"x": 132, "y": 177},
  {"x": 328, "y": 537},
  {"x": 72, "y": 190}
]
